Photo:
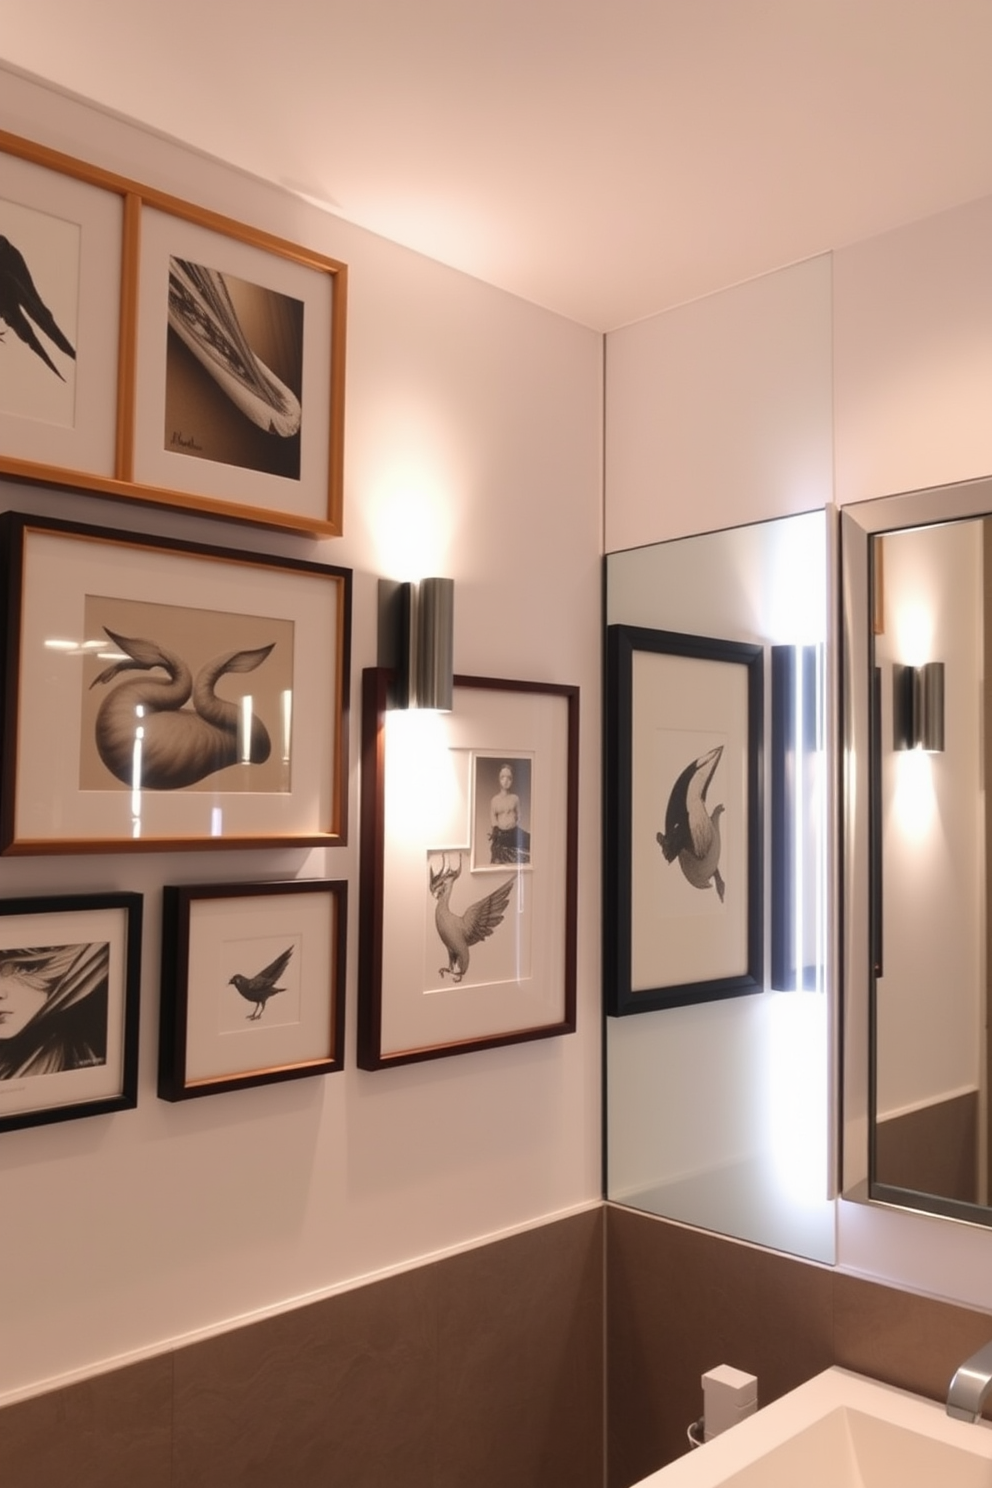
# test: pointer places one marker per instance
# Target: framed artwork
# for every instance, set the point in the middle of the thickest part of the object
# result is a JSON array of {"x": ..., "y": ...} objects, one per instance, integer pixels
[
  {"x": 252, "y": 984},
  {"x": 61, "y": 256},
  {"x": 70, "y": 971},
  {"x": 160, "y": 694},
  {"x": 470, "y": 857},
  {"x": 154, "y": 351},
  {"x": 237, "y": 396},
  {"x": 683, "y": 870}
]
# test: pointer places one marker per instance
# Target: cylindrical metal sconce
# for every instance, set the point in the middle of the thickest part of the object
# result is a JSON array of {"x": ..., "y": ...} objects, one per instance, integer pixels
[
  {"x": 428, "y": 652},
  {"x": 930, "y": 706},
  {"x": 918, "y": 707}
]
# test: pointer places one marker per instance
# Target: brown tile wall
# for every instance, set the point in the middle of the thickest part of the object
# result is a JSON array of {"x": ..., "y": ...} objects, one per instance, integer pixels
[
  {"x": 679, "y": 1302},
  {"x": 933, "y": 1150},
  {"x": 479, "y": 1370},
  {"x": 486, "y": 1369}
]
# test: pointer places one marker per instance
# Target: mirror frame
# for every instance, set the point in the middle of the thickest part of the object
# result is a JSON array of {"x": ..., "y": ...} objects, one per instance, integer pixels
[{"x": 859, "y": 525}]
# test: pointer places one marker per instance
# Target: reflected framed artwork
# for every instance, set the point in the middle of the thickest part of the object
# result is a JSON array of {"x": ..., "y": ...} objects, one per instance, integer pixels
[
  {"x": 252, "y": 984},
  {"x": 237, "y": 398},
  {"x": 61, "y": 255},
  {"x": 161, "y": 694},
  {"x": 470, "y": 856},
  {"x": 683, "y": 870},
  {"x": 70, "y": 971}
]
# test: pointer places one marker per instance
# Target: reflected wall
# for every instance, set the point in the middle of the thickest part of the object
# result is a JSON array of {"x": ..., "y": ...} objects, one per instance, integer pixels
[{"x": 718, "y": 1113}]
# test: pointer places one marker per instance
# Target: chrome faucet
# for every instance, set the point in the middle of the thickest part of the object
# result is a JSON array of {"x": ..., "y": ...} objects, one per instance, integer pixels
[{"x": 971, "y": 1386}]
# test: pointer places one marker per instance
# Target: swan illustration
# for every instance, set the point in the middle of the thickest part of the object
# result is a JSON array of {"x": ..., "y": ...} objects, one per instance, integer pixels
[{"x": 179, "y": 745}]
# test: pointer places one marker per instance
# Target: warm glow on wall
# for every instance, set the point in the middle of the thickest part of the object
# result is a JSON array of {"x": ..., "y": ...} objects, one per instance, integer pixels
[{"x": 421, "y": 785}]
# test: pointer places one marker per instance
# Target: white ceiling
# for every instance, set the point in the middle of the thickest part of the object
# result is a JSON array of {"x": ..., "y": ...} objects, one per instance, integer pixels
[{"x": 604, "y": 158}]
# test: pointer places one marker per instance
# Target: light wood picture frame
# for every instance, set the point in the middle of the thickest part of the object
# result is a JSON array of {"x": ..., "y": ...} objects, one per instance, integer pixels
[
  {"x": 61, "y": 267},
  {"x": 87, "y": 408},
  {"x": 237, "y": 386},
  {"x": 134, "y": 720}
]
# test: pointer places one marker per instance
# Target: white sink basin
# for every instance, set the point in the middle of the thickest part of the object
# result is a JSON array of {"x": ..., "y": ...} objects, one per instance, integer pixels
[{"x": 840, "y": 1430}]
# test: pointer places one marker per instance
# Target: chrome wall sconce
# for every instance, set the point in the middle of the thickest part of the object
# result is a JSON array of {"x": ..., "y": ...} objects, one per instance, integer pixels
[
  {"x": 918, "y": 707},
  {"x": 416, "y": 638}
]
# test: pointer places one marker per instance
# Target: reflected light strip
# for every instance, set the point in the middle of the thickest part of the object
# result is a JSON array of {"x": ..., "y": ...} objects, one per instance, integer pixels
[
  {"x": 287, "y": 724},
  {"x": 244, "y": 729},
  {"x": 798, "y": 810},
  {"x": 136, "y": 754}
]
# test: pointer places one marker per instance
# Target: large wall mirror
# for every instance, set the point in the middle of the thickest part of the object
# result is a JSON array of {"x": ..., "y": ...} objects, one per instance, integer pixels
[
  {"x": 718, "y": 1111},
  {"x": 917, "y": 587}
]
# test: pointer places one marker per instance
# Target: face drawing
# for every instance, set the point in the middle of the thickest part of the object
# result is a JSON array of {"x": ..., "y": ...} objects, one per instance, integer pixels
[
  {"x": 505, "y": 778},
  {"x": 23, "y": 993}
]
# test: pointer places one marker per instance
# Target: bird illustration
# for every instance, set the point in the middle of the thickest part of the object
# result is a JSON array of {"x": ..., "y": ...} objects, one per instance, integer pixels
[
  {"x": 260, "y": 987},
  {"x": 458, "y": 932},
  {"x": 692, "y": 834},
  {"x": 20, "y": 304},
  {"x": 178, "y": 745}
]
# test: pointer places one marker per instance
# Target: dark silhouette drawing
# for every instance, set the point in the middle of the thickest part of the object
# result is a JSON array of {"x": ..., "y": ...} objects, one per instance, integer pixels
[
  {"x": 203, "y": 317},
  {"x": 53, "y": 1008},
  {"x": 20, "y": 304},
  {"x": 179, "y": 745},
  {"x": 692, "y": 834},
  {"x": 458, "y": 932},
  {"x": 260, "y": 987}
]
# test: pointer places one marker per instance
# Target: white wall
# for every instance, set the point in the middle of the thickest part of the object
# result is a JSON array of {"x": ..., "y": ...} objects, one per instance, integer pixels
[
  {"x": 473, "y": 434},
  {"x": 718, "y": 414},
  {"x": 863, "y": 373}
]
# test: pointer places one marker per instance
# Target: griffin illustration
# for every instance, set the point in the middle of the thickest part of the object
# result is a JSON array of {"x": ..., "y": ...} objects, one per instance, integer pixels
[
  {"x": 458, "y": 932},
  {"x": 692, "y": 834},
  {"x": 259, "y": 988},
  {"x": 179, "y": 746},
  {"x": 20, "y": 304}
]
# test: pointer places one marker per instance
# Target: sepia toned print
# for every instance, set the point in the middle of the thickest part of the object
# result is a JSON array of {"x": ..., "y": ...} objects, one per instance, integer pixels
[
  {"x": 234, "y": 371},
  {"x": 184, "y": 699}
]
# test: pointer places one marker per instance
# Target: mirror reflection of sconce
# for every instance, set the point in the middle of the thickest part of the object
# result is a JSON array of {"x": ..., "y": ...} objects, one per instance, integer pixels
[
  {"x": 797, "y": 818},
  {"x": 918, "y": 707},
  {"x": 416, "y": 639}
]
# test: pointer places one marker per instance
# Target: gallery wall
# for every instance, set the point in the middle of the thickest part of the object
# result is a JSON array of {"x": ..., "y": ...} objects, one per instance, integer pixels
[
  {"x": 472, "y": 449},
  {"x": 855, "y": 375}
]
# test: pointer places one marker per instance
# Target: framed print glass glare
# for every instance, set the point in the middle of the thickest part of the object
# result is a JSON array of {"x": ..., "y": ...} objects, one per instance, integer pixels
[{"x": 161, "y": 694}]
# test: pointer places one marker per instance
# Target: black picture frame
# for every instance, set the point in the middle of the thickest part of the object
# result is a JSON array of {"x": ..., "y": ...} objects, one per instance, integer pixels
[
  {"x": 70, "y": 977},
  {"x": 409, "y": 1008},
  {"x": 228, "y": 947},
  {"x": 672, "y": 697}
]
